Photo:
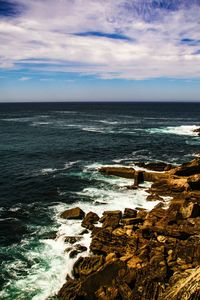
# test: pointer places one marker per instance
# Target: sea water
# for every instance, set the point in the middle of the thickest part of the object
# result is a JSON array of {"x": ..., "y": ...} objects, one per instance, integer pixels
[{"x": 49, "y": 158}]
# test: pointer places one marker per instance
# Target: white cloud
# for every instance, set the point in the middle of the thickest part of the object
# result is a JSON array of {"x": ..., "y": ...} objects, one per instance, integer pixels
[
  {"x": 24, "y": 78},
  {"x": 42, "y": 39}
]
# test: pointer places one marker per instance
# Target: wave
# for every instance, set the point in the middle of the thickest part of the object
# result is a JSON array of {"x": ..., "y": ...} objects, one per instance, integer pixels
[
  {"x": 49, "y": 261},
  {"x": 178, "y": 130},
  {"x": 67, "y": 165}
]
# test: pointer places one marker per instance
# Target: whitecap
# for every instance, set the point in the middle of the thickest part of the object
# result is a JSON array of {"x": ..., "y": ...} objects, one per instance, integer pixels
[
  {"x": 178, "y": 130},
  {"x": 46, "y": 171}
]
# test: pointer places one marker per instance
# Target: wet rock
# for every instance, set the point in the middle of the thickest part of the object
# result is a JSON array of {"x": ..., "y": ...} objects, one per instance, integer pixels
[
  {"x": 73, "y": 214},
  {"x": 89, "y": 220},
  {"x": 78, "y": 249},
  {"x": 155, "y": 166},
  {"x": 49, "y": 235},
  {"x": 72, "y": 239}
]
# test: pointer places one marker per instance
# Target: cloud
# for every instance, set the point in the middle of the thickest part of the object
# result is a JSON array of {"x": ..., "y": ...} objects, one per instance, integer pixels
[
  {"x": 24, "y": 78},
  {"x": 108, "y": 39}
]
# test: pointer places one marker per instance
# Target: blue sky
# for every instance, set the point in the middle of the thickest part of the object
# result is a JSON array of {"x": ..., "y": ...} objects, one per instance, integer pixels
[{"x": 99, "y": 50}]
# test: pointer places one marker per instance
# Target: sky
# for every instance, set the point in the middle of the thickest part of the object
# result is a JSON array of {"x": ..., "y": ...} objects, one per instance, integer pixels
[{"x": 99, "y": 50}]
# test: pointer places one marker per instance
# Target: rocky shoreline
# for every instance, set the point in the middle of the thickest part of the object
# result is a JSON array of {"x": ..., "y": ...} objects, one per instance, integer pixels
[{"x": 139, "y": 254}]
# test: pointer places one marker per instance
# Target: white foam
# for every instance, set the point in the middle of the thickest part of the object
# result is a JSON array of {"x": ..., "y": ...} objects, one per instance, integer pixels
[
  {"x": 109, "y": 122},
  {"x": 40, "y": 123},
  {"x": 46, "y": 171},
  {"x": 48, "y": 274},
  {"x": 179, "y": 130},
  {"x": 69, "y": 164}
]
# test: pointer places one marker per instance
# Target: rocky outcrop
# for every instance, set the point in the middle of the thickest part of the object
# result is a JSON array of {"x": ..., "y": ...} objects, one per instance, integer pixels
[
  {"x": 74, "y": 214},
  {"x": 144, "y": 255}
]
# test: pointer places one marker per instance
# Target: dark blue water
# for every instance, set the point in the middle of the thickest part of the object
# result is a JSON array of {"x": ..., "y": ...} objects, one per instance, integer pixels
[{"x": 44, "y": 152}]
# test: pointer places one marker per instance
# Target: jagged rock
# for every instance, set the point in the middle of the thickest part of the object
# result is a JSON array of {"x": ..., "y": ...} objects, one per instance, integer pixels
[
  {"x": 184, "y": 286},
  {"x": 85, "y": 266},
  {"x": 73, "y": 213},
  {"x": 130, "y": 213},
  {"x": 156, "y": 257},
  {"x": 89, "y": 220},
  {"x": 105, "y": 242},
  {"x": 111, "y": 219}
]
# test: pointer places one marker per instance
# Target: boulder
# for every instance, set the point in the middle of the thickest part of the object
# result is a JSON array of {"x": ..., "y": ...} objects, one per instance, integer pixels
[
  {"x": 73, "y": 214},
  {"x": 89, "y": 220}
]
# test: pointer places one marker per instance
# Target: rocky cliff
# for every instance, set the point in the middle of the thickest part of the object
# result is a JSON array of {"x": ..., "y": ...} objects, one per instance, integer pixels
[{"x": 144, "y": 255}]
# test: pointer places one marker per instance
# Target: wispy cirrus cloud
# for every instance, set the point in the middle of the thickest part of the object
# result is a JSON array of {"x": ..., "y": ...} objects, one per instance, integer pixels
[{"x": 109, "y": 39}]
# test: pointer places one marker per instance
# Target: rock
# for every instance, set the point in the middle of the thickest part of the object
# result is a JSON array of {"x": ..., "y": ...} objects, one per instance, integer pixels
[
  {"x": 85, "y": 266},
  {"x": 111, "y": 219},
  {"x": 154, "y": 197},
  {"x": 131, "y": 221},
  {"x": 125, "y": 172},
  {"x": 73, "y": 213},
  {"x": 111, "y": 256},
  {"x": 105, "y": 276},
  {"x": 197, "y": 131},
  {"x": 188, "y": 169},
  {"x": 49, "y": 235},
  {"x": 105, "y": 242},
  {"x": 155, "y": 166},
  {"x": 130, "y": 213},
  {"x": 139, "y": 178},
  {"x": 78, "y": 249},
  {"x": 190, "y": 210},
  {"x": 72, "y": 239},
  {"x": 194, "y": 182},
  {"x": 89, "y": 220},
  {"x": 184, "y": 285}
]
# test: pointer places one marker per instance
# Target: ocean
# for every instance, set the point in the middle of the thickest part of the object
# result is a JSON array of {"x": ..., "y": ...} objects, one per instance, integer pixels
[{"x": 49, "y": 155}]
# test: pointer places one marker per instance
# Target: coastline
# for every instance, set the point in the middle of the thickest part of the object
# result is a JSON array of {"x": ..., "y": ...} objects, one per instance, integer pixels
[{"x": 140, "y": 254}]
